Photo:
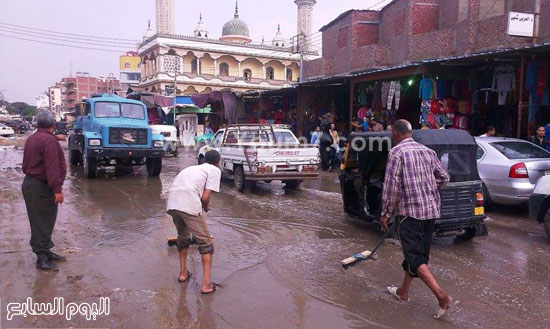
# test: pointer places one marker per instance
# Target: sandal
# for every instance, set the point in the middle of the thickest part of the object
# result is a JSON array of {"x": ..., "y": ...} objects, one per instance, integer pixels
[
  {"x": 442, "y": 311},
  {"x": 186, "y": 279},
  {"x": 214, "y": 286},
  {"x": 393, "y": 291}
]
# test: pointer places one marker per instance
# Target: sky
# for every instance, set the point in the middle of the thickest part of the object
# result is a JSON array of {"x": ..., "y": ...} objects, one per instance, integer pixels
[{"x": 28, "y": 68}]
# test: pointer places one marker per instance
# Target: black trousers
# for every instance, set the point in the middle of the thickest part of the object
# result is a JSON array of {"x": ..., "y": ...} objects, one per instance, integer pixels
[
  {"x": 42, "y": 212},
  {"x": 326, "y": 152},
  {"x": 415, "y": 236}
]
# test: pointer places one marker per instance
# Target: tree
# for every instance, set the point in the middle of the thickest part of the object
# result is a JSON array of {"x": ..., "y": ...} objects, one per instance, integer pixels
[{"x": 23, "y": 109}]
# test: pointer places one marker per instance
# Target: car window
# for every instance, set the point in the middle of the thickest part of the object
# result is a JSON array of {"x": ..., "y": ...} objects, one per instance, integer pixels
[
  {"x": 132, "y": 111},
  {"x": 107, "y": 110},
  {"x": 285, "y": 137},
  {"x": 231, "y": 137},
  {"x": 254, "y": 136},
  {"x": 456, "y": 162},
  {"x": 479, "y": 153},
  {"x": 216, "y": 140},
  {"x": 520, "y": 150}
]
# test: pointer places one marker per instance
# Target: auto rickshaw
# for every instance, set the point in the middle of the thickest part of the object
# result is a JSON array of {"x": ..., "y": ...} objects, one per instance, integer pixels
[{"x": 363, "y": 170}]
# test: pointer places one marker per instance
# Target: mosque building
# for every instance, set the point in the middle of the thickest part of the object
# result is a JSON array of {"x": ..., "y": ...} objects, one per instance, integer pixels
[{"x": 200, "y": 63}]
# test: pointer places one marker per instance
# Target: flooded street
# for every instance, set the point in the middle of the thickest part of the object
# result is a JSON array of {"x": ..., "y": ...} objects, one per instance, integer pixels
[{"x": 277, "y": 257}]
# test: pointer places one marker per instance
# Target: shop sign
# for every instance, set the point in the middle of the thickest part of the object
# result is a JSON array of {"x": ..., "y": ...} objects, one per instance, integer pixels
[{"x": 521, "y": 24}]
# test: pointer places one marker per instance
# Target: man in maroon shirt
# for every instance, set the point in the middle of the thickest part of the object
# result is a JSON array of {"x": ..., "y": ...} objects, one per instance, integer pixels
[{"x": 44, "y": 168}]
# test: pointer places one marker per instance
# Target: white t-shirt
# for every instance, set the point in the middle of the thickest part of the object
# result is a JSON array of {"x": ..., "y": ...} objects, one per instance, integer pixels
[{"x": 186, "y": 191}]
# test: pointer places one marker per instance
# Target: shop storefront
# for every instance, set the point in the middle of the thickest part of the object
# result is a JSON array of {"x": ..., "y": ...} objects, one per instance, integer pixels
[{"x": 270, "y": 107}]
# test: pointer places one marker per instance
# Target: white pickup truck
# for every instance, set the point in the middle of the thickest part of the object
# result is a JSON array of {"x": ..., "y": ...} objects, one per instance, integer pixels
[{"x": 256, "y": 152}]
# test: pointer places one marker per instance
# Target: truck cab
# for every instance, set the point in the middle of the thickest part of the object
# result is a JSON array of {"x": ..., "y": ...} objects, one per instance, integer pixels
[{"x": 110, "y": 131}]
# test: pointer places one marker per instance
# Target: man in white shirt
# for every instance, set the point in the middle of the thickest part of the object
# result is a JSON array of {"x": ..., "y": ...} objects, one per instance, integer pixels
[
  {"x": 188, "y": 196},
  {"x": 490, "y": 132}
]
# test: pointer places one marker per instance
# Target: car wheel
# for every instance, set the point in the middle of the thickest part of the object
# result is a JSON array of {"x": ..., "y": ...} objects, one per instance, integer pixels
[
  {"x": 154, "y": 166},
  {"x": 238, "y": 179},
  {"x": 74, "y": 157},
  {"x": 547, "y": 222},
  {"x": 90, "y": 167},
  {"x": 201, "y": 159}
]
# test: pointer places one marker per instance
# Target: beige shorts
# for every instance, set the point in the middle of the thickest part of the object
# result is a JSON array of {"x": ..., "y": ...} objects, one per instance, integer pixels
[{"x": 188, "y": 224}]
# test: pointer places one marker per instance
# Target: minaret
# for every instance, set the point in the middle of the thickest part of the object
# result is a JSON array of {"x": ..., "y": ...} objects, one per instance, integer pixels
[
  {"x": 165, "y": 16},
  {"x": 305, "y": 21}
]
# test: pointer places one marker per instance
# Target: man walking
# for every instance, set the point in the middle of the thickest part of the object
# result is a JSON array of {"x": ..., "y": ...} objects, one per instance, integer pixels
[
  {"x": 188, "y": 196},
  {"x": 44, "y": 168},
  {"x": 413, "y": 176}
]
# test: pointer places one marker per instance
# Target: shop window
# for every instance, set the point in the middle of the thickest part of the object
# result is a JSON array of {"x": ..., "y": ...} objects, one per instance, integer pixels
[
  {"x": 343, "y": 37},
  {"x": 289, "y": 74},
  {"x": 224, "y": 69},
  {"x": 194, "y": 66},
  {"x": 247, "y": 75},
  {"x": 270, "y": 73}
]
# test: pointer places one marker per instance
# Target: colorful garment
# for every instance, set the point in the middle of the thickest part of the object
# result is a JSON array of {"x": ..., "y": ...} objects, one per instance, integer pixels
[{"x": 426, "y": 89}]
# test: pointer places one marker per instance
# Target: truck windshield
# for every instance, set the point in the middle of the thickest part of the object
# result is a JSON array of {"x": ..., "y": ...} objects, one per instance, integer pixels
[{"x": 114, "y": 110}]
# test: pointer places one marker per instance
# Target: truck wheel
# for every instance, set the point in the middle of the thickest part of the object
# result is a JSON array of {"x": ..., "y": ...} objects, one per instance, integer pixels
[
  {"x": 201, "y": 159},
  {"x": 469, "y": 234},
  {"x": 90, "y": 167},
  {"x": 238, "y": 179},
  {"x": 154, "y": 166},
  {"x": 74, "y": 157},
  {"x": 293, "y": 184}
]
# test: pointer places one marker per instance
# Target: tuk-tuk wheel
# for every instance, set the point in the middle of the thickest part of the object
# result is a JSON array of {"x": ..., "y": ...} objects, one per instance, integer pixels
[{"x": 469, "y": 234}]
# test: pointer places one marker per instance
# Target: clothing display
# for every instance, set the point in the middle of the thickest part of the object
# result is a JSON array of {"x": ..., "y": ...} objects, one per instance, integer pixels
[
  {"x": 385, "y": 92},
  {"x": 426, "y": 89},
  {"x": 395, "y": 91},
  {"x": 504, "y": 80}
]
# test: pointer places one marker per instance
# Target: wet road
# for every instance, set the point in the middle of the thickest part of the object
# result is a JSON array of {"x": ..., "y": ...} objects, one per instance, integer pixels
[{"x": 277, "y": 256}]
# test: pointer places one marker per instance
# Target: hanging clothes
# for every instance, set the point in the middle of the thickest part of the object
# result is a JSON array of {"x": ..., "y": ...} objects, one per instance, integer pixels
[
  {"x": 377, "y": 97},
  {"x": 426, "y": 89},
  {"x": 394, "y": 92},
  {"x": 385, "y": 92},
  {"x": 504, "y": 80},
  {"x": 542, "y": 79},
  {"x": 441, "y": 90}
]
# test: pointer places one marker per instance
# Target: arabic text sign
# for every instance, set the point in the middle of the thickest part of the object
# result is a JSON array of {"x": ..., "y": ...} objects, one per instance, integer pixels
[
  {"x": 58, "y": 307},
  {"x": 521, "y": 24}
]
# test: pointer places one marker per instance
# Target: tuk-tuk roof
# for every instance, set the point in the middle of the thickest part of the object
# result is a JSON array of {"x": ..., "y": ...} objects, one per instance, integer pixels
[
  {"x": 443, "y": 137},
  {"x": 428, "y": 136}
]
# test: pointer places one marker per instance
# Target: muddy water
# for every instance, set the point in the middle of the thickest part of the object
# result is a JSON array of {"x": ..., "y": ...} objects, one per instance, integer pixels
[{"x": 277, "y": 254}]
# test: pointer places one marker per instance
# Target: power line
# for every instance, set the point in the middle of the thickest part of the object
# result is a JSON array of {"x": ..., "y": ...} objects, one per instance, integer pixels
[
  {"x": 62, "y": 39},
  {"x": 72, "y": 34},
  {"x": 41, "y": 34},
  {"x": 64, "y": 45}
]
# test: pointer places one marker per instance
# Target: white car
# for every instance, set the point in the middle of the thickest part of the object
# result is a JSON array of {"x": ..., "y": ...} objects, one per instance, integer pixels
[
  {"x": 259, "y": 152},
  {"x": 6, "y": 131},
  {"x": 170, "y": 134}
]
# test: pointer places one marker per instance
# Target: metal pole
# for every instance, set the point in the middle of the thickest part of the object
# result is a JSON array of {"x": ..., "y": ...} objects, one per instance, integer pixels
[{"x": 520, "y": 103}]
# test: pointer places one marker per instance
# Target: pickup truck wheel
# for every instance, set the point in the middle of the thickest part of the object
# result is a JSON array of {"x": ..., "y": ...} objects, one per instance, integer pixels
[
  {"x": 201, "y": 159},
  {"x": 469, "y": 234},
  {"x": 154, "y": 166},
  {"x": 90, "y": 167},
  {"x": 293, "y": 184},
  {"x": 74, "y": 157},
  {"x": 238, "y": 179}
]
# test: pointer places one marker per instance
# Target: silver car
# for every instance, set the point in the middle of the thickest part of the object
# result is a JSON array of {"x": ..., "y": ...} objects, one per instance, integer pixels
[{"x": 510, "y": 168}]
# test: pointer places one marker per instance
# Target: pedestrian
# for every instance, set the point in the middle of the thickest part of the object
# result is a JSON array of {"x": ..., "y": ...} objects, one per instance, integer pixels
[
  {"x": 365, "y": 124},
  {"x": 326, "y": 141},
  {"x": 376, "y": 125},
  {"x": 489, "y": 132},
  {"x": 316, "y": 136},
  {"x": 334, "y": 148},
  {"x": 188, "y": 197},
  {"x": 412, "y": 179},
  {"x": 44, "y": 168},
  {"x": 539, "y": 138}
]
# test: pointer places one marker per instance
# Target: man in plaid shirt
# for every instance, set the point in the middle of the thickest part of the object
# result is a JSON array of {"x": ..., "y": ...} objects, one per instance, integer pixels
[{"x": 412, "y": 181}]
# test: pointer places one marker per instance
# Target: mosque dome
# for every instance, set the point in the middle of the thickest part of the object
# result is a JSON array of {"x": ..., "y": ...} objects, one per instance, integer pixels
[
  {"x": 201, "y": 31},
  {"x": 236, "y": 30},
  {"x": 279, "y": 40}
]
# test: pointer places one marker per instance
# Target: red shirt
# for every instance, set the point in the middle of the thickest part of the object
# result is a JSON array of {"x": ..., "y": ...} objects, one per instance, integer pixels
[{"x": 43, "y": 158}]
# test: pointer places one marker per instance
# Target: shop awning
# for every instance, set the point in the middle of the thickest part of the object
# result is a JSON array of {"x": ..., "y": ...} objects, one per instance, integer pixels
[{"x": 185, "y": 109}]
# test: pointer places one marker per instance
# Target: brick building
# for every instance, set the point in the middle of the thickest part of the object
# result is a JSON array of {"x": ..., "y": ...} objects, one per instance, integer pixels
[{"x": 463, "y": 42}]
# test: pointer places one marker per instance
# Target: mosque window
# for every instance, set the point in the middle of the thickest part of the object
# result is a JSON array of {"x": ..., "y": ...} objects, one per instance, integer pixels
[
  {"x": 224, "y": 69},
  {"x": 289, "y": 74},
  {"x": 247, "y": 75},
  {"x": 270, "y": 73},
  {"x": 194, "y": 66}
]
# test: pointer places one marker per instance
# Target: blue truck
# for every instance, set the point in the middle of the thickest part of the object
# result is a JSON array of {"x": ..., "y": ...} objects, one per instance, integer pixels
[{"x": 114, "y": 131}]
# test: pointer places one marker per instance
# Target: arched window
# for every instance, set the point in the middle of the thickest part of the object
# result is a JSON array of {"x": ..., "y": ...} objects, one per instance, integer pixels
[
  {"x": 126, "y": 65},
  {"x": 172, "y": 52},
  {"x": 194, "y": 66},
  {"x": 270, "y": 73},
  {"x": 288, "y": 74},
  {"x": 224, "y": 69},
  {"x": 247, "y": 75}
]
